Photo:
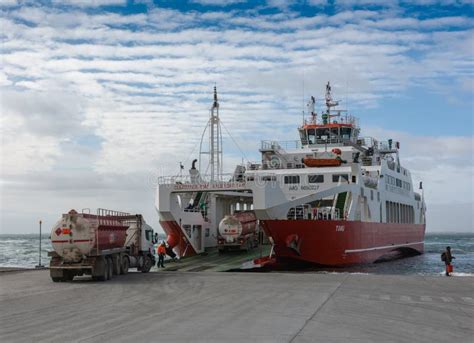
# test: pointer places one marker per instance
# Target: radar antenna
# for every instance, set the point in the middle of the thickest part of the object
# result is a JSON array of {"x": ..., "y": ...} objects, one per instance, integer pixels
[
  {"x": 329, "y": 103},
  {"x": 311, "y": 109}
]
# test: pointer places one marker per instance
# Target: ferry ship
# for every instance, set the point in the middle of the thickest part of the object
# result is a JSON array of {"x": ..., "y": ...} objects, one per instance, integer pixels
[{"x": 332, "y": 198}]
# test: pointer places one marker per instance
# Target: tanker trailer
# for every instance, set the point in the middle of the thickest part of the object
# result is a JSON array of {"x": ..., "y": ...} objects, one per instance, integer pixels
[
  {"x": 238, "y": 232},
  {"x": 101, "y": 245}
]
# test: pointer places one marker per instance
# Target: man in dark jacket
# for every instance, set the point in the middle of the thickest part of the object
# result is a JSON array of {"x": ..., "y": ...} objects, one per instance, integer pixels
[{"x": 447, "y": 258}]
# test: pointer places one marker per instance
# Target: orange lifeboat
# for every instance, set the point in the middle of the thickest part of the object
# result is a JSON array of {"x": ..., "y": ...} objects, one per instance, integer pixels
[{"x": 321, "y": 162}]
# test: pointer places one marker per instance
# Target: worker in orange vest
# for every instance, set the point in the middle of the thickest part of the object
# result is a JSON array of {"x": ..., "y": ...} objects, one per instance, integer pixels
[{"x": 161, "y": 255}]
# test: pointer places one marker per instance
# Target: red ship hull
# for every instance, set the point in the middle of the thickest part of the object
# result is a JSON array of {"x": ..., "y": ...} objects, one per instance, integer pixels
[
  {"x": 341, "y": 243},
  {"x": 183, "y": 248}
]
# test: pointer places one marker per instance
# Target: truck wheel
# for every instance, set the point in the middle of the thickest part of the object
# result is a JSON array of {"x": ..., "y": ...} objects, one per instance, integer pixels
[
  {"x": 68, "y": 275},
  {"x": 125, "y": 265},
  {"x": 116, "y": 264},
  {"x": 147, "y": 264},
  {"x": 111, "y": 268},
  {"x": 108, "y": 268},
  {"x": 100, "y": 270},
  {"x": 56, "y": 274}
]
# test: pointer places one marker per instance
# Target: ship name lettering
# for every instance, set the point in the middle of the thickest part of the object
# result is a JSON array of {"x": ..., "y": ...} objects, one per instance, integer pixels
[
  {"x": 309, "y": 188},
  {"x": 340, "y": 228}
]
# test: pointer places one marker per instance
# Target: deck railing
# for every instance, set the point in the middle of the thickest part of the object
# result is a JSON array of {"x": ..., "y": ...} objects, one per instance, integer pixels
[{"x": 278, "y": 145}]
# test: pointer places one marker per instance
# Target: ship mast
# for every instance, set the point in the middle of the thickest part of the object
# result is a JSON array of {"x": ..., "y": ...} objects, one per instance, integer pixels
[
  {"x": 215, "y": 141},
  {"x": 215, "y": 150},
  {"x": 329, "y": 103}
]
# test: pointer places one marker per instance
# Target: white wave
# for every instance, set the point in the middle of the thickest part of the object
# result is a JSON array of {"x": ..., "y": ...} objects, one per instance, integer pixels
[
  {"x": 462, "y": 274},
  {"x": 457, "y": 274}
]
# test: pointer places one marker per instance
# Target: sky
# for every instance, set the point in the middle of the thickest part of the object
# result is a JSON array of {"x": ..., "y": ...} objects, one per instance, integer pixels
[{"x": 99, "y": 97}]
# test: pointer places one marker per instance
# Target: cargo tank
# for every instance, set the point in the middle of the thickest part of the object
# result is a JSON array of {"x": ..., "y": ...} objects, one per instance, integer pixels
[
  {"x": 101, "y": 245},
  {"x": 238, "y": 231}
]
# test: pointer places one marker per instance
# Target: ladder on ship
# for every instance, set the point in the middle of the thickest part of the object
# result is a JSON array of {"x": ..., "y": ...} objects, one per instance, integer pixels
[{"x": 197, "y": 198}]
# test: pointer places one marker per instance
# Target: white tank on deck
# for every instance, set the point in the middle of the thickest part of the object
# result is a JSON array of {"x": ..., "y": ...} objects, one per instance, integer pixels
[{"x": 231, "y": 227}]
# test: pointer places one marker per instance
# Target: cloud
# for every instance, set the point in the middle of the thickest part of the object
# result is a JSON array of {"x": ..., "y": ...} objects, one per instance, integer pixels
[
  {"x": 90, "y": 3},
  {"x": 100, "y": 102},
  {"x": 8, "y": 3},
  {"x": 445, "y": 164},
  {"x": 394, "y": 3},
  {"x": 221, "y": 3},
  {"x": 318, "y": 2}
]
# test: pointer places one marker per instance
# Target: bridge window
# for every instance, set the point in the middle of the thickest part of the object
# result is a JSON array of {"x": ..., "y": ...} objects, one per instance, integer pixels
[
  {"x": 346, "y": 132},
  {"x": 311, "y": 136},
  {"x": 322, "y": 134},
  {"x": 290, "y": 179},
  {"x": 315, "y": 178},
  {"x": 304, "y": 137}
]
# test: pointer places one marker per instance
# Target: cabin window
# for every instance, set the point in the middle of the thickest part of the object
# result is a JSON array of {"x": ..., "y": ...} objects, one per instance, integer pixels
[
  {"x": 207, "y": 232},
  {"x": 387, "y": 212},
  {"x": 346, "y": 132},
  {"x": 187, "y": 229},
  {"x": 321, "y": 134},
  {"x": 291, "y": 179},
  {"x": 406, "y": 185},
  {"x": 148, "y": 235},
  {"x": 268, "y": 178},
  {"x": 334, "y": 133},
  {"x": 344, "y": 177},
  {"x": 399, "y": 183},
  {"x": 311, "y": 136},
  {"x": 315, "y": 178},
  {"x": 304, "y": 137}
]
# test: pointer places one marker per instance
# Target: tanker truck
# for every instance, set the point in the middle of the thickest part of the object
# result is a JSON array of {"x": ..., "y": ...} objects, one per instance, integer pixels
[
  {"x": 238, "y": 232},
  {"x": 101, "y": 245}
]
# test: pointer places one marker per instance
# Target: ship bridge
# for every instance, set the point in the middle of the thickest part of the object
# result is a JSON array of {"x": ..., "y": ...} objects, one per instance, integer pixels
[
  {"x": 334, "y": 133},
  {"x": 335, "y": 126}
]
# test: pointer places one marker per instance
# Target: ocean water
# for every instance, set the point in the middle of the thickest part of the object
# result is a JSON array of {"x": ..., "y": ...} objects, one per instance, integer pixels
[{"x": 22, "y": 251}]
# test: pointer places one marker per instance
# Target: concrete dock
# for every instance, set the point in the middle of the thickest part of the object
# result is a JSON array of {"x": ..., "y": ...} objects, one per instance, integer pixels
[{"x": 237, "y": 307}]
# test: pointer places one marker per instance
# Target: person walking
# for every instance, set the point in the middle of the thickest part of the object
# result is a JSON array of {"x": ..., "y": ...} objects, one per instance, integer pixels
[
  {"x": 161, "y": 255},
  {"x": 447, "y": 257}
]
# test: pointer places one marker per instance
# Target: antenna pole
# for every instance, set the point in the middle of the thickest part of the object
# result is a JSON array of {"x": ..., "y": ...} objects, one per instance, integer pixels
[
  {"x": 215, "y": 141},
  {"x": 302, "y": 99}
]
